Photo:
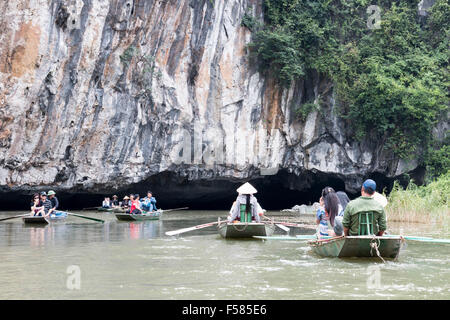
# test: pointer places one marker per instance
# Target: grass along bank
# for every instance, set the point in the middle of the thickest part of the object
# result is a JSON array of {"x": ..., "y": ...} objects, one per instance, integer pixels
[{"x": 421, "y": 204}]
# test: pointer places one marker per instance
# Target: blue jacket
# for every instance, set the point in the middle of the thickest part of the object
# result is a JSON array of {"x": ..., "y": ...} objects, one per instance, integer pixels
[{"x": 149, "y": 203}]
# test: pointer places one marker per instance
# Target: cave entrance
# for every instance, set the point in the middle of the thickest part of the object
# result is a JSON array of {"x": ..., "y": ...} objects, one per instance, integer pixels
[
  {"x": 280, "y": 191},
  {"x": 276, "y": 192}
]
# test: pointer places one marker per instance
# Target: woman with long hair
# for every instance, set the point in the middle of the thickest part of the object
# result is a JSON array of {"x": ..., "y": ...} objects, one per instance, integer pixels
[{"x": 331, "y": 203}]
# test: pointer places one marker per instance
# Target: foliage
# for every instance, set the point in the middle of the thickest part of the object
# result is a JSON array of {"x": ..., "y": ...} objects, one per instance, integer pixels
[
  {"x": 438, "y": 159},
  {"x": 391, "y": 83},
  {"x": 306, "y": 108},
  {"x": 128, "y": 54},
  {"x": 427, "y": 204}
]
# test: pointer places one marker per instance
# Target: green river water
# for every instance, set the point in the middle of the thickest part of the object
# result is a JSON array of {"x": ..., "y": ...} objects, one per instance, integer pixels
[{"x": 123, "y": 260}]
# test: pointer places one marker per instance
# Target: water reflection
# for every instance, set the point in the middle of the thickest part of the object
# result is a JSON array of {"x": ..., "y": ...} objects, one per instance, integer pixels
[{"x": 201, "y": 264}]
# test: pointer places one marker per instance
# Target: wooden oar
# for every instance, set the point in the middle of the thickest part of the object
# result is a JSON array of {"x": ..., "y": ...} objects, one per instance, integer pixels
[
  {"x": 84, "y": 217},
  {"x": 200, "y": 226},
  {"x": 296, "y": 225},
  {"x": 421, "y": 239},
  {"x": 184, "y": 208},
  {"x": 283, "y": 227},
  {"x": 90, "y": 208},
  {"x": 13, "y": 217}
]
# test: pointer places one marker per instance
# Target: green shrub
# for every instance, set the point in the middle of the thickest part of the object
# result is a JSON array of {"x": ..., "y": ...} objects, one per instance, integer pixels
[
  {"x": 426, "y": 204},
  {"x": 391, "y": 83}
]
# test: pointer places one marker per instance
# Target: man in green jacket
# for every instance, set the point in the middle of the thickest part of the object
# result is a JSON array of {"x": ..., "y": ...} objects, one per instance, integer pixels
[{"x": 365, "y": 203}]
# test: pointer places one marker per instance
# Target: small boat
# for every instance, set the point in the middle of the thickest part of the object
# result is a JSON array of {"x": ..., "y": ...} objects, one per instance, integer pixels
[
  {"x": 358, "y": 246},
  {"x": 36, "y": 219},
  {"x": 245, "y": 229},
  {"x": 155, "y": 215},
  {"x": 120, "y": 210},
  {"x": 104, "y": 209}
]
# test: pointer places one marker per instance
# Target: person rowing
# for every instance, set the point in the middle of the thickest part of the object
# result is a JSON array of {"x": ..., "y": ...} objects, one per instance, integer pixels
[
  {"x": 364, "y": 215},
  {"x": 125, "y": 202},
  {"x": 115, "y": 202},
  {"x": 52, "y": 197},
  {"x": 246, "y": 207}
]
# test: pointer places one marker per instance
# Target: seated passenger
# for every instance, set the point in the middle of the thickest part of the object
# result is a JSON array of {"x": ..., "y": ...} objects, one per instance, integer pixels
[
  {"x": 47, "y": 204},
  {"x": 149, "y": 202},
  {"x": 135, "y": 207},
  {"x": 106, "y": 203},
  {"x": 322, "y": 220},
  {"x": 334, "y": 210},
  {"x": 37, "y": 209}
]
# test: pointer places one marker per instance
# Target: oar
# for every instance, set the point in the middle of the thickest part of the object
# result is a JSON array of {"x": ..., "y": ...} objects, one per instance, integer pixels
[
  {"x": 90, "y": 208},
  {"x": 84, "y": 217},
  {"x": 296, "y": 225},
  {"x": 184, "y": 208},
  {"x": 283, "y": 227},
  {"x": 13, "y": 217},
  {"x": 200, "y": 226},
  {"x": 421, "y": 239}
]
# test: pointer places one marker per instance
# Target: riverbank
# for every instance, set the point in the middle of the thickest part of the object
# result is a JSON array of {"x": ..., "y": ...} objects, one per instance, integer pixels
[{"x": 421, "y": 204}]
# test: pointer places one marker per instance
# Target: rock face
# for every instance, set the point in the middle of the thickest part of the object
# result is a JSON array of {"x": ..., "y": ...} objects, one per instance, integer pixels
[{"x": 97, "y": 95}]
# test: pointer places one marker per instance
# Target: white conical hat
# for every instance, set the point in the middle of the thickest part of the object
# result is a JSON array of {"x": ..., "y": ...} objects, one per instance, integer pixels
[
  {"x": 246, "y": 188},
  {"x": 380, "y": 199}
]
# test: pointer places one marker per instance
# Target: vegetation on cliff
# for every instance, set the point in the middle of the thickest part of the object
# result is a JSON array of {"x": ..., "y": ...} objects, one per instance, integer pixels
[{"x": 389, "y": 67}]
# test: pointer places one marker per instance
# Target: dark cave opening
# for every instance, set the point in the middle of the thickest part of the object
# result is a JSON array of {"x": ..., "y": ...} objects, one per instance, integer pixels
[{"x": 276, "y": 192}]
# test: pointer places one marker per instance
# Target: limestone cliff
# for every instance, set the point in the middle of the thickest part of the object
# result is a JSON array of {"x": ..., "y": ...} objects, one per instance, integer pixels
[{"x": 96, "y": 95}]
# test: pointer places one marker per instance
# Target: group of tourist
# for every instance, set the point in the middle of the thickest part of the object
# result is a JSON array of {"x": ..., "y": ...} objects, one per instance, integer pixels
[
  {"x": 43, "y": 204},
  {"x": 132, "y": 204},
  {"x": 338, "y": 216}
]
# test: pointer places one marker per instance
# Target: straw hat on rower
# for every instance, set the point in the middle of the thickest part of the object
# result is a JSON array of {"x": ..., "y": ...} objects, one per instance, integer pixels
[
  {"x": 126, "y": 198},
  {"x": 246, "y": 188}
]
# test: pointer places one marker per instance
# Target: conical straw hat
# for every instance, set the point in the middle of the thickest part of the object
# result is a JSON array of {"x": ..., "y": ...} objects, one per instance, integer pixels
[
  {"x": 380, "y": 199},
  {"x": 246, "y": 188}
]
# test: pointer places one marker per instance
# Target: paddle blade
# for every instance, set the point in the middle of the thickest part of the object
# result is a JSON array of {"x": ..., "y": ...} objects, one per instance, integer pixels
[
  {"x": 84, "y": 217},
  {"x": 283, "y": 227},
  {"x": 13, "y": 217},
  {"x": 201, "y": 226},
  {"x": 176, "y": 209}
]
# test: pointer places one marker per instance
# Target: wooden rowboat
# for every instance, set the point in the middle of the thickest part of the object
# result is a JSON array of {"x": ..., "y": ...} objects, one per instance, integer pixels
[
  {"x": 358, "y": 246},
  {"x": 36, "y": 220},
  {"x": 139, "y": 217},
  {"x": 245, "y": 229}
]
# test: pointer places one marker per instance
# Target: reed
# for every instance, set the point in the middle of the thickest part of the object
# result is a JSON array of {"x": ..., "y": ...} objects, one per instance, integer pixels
[{"x": 421, "y": 204}]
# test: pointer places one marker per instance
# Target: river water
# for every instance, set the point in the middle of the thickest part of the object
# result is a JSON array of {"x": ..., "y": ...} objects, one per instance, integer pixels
[{"x": 83, "y": 259}]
